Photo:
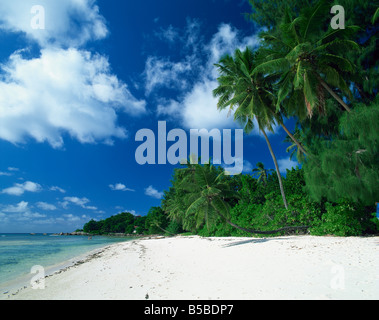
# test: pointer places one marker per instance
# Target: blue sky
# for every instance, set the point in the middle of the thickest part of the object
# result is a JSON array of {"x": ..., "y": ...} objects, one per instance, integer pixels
[{"x": 74, "y": 94}]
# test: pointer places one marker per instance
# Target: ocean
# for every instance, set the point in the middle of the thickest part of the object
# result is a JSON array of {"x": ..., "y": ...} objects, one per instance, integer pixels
[{"x": 19, "y": 253}]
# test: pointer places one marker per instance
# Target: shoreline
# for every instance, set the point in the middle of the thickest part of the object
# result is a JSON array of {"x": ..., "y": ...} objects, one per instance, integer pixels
[
  {"x": 195, "y": 268},
  {"x": 13, "y": 286}
]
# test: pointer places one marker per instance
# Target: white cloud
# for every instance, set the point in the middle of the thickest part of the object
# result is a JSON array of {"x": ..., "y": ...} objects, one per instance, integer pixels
[
  {"x": 70, "y": 217},
  {"x": 152, "y": 192},
  {"x": 56, "y": 188},
  {"x": 81, "y": 202},
  {"x": 285, "y": 164},
  {"x": 161, "y": 72},
  {"x": 18, "y": 189},
  {"x": 65, "y": 90},
  {"x": 46, "y": 206},
  {"x": 119, "y": 187},
  {"x": 9, "y": 172},
  {"x": 196, "y": 107},
  {"x": 246, "y": 165},
  {"x": 20, "y": 212},
  {"x": 199, "y": 108},
  {"x": 20, "y": 207},
  {"x": 62, "y": 91},
  {"x": 67, "y": 23},
  {"x": 169, "y": 34}
]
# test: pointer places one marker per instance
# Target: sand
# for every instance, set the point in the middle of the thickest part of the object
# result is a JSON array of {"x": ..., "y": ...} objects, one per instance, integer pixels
[{"x": 195, "y": 268}]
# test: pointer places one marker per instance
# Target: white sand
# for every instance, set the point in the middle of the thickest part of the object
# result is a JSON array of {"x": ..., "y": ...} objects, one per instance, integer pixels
[{"x": 192, "y": 268}]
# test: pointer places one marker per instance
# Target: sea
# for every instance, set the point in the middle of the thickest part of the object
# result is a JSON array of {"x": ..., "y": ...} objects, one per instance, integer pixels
[{"x": 20, "y": 253}]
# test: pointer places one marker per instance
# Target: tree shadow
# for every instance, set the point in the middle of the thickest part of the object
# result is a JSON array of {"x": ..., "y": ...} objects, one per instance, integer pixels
[{"x": 263, "y": 240}]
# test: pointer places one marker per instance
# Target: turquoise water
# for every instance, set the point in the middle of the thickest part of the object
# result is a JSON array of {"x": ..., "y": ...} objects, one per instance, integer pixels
[{"x": 20, "y": 252}]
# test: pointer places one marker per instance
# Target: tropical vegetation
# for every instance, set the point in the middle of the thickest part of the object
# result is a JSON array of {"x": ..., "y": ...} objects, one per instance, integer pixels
[{"x": 324, "y": 80}]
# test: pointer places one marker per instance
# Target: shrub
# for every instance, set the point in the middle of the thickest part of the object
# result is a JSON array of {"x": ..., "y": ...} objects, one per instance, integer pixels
[{"x": 344, "y": 218}]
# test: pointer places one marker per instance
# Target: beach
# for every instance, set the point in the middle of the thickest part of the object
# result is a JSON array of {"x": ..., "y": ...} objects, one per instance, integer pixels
[{"x": 196, "y": 268}]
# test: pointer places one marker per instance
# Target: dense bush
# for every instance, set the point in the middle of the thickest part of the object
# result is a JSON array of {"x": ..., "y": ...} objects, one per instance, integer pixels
[
  {"x": 261, "y": 207},
  {"x": 344, "y": 218}
]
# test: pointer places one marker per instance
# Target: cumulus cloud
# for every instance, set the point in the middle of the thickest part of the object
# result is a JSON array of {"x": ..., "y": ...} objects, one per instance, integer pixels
[
  {"x": 20, "y": 212},
  {"x": 20, "y": 207},
  {"x": 10, "y": 172},
  {"x": 56, "y": 188},
  {"x": 161, "y": 72},
  {"x": 119, "y": 187},
  {"x": 81, "y": 202},
  {"x": 196, "y": 107},
  {"x": 46, "y": 206},
  {"x": 69, "y": 23},
  {"x": 72, "y": 218},
  {"x": 19, "y": 189},
  {"x": 65, "y": 89},
  {"x": 152, "y": 192},
  {"x": 62, "y": 91}
]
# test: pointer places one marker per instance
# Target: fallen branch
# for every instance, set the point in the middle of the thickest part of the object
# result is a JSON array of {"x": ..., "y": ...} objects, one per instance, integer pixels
[{"x": 267, "y": 232}]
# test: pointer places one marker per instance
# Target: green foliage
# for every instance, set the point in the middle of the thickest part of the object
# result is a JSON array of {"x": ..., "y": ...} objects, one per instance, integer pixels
[
  {"x": 270, "y": 214},
  {"x": 344, "y": 218},
  {"x": 268, "y": 13},
  {"x": 272, "y": 13},
  {"x": 174, "y": 227},
  {"x": 250, "y": 95},
  {"x": 205, "y": 196},
  {"x": 156, "y": 221},
  {"x": 309, "y": 60},
  {"x": 348, "y": 165},
  {"x": 121, "y": 223}
]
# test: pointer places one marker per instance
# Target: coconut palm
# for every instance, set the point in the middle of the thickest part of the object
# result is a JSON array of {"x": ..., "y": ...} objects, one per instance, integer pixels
[
  {"x": 207, "y": 195},
  {"x": 308, "y": 63},
  {"x": 293, "y": 148},
  {"x": 250, "y": 98},
  {"x": 262, "y": 173}
]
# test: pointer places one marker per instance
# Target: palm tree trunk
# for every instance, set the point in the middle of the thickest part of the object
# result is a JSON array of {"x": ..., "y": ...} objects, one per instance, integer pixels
[
  {"x": 334, "y": 95},
  {"x": 157, "y": 225},
  {"x": 277, "y": 169},
  {"x": 258, "y": 231},
  {"x": 294, "y": 139},
  {"x": 291, "y": 136},
  {"x": 265, "y": 232}
]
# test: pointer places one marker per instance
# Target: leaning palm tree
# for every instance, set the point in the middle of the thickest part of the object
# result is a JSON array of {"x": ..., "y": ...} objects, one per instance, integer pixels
[
  {"x": 206, "y": 197},
  {"x": 251, "y": 97},
  {"x": 293, "y": 149},
  {"x": 262, "y": 173},
  {"x": 308, "y": 62}
]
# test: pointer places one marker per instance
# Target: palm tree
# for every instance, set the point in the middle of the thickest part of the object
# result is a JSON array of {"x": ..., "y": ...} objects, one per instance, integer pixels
[
  {"x": 376, "y": 16},
  {"x": 206, "y": 197},
  {"x": 262, "y": 173},
  {"x": 308, "y": 63},
  {"x": 252, "y": 96},
  {"x": 293, "y": 148}
]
